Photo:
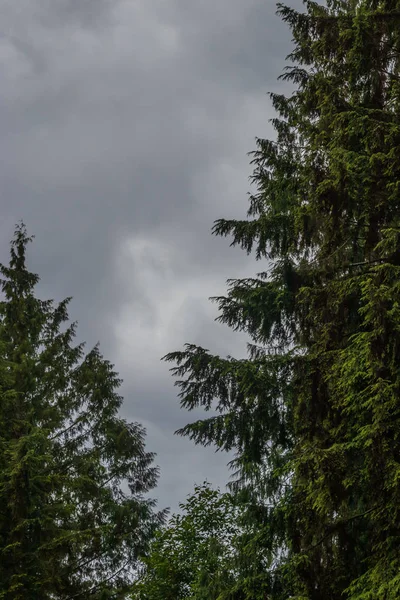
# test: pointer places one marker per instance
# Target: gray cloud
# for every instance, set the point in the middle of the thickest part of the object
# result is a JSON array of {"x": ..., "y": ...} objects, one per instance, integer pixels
[{"x": 125, "y": 127}]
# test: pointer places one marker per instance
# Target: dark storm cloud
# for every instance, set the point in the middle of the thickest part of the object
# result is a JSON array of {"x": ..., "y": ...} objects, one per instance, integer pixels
[{"x": 125, "y": 126}]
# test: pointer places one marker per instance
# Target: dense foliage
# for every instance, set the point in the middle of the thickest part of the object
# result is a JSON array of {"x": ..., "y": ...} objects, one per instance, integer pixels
[
  {"x": 73, "y": 474},
  {"x": 191, "y": 557},
  {"x": 313, "y": 412}
]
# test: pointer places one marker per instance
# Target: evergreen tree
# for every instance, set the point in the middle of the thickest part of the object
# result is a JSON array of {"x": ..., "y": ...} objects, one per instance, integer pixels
[
  {"x": 314, "y": 411},
  {"x": 73, "y": 474}
]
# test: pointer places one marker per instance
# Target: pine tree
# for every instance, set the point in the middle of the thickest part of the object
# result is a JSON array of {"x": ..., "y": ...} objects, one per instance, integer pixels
[
  {"x": 73, "y": 474},
  {"x": 314, "y": 411}
]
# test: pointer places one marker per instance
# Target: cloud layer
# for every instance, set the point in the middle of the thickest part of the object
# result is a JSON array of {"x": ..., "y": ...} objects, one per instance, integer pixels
[{"x": 124, "y": 131}]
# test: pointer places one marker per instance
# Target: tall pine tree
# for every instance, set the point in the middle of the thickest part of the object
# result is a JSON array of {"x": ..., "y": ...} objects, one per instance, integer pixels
[
  {"x": 73, "y": 474},
  {"x": 314, "y": 411}
]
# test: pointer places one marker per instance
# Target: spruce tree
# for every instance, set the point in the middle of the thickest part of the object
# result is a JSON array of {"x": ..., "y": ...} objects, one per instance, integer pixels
[
  {"x": 73, "y": 474},
  {"x": 314, "y": 411}
]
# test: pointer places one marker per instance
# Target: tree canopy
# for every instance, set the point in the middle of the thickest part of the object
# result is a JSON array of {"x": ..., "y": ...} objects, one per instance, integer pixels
[
  {"x": 74, "y": 515},
  {"x": 192, "y": 555},
  {"x": 313, "y": 412}
]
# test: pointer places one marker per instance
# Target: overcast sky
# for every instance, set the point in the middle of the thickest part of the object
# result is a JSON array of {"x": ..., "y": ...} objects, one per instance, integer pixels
[{"x": 124, "y": 128}]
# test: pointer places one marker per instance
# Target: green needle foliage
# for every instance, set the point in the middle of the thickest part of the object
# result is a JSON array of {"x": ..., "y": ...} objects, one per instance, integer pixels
[
  {"x": 73, "y": 474},
  {"x": 313, "y": 413}
]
